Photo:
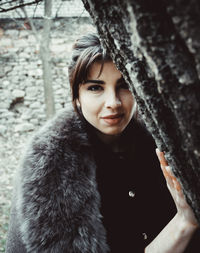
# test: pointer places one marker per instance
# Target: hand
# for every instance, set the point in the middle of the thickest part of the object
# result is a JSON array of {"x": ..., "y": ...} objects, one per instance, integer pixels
[{"x": 183, "y": 209}]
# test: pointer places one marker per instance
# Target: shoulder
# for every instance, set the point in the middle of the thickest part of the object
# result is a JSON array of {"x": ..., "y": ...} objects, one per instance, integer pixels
[
  {"x": 53, "y": 145},
  {"x": 66, "y": 128},
  {"x": 66, "y": 125}
]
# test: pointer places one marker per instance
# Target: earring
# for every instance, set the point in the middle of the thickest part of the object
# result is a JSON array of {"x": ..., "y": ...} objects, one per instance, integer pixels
[{"x": 78, "y": 104}]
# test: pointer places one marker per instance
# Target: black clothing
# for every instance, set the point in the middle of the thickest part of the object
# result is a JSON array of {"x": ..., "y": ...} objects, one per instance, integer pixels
[{"x": 136, "y": 204}]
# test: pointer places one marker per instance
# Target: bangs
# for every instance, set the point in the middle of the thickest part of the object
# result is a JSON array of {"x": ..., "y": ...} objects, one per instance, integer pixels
[
  {"x": 86, "y": 51},
  {"x": 84, "y": 62}
]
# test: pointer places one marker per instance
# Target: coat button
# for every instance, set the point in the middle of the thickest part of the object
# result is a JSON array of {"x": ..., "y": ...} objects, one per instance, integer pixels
[
  {"x": 144, "y": 236},
  {"x": 131, "y": 194}
]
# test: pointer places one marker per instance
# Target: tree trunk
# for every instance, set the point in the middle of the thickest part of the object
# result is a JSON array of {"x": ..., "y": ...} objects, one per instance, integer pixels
[
  {"x": 46, "y": 60},
  {"x": 156, "y": 45}
]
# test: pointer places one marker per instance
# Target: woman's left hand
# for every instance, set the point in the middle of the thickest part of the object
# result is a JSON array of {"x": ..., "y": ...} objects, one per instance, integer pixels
[{"x": 183, "y": 209}]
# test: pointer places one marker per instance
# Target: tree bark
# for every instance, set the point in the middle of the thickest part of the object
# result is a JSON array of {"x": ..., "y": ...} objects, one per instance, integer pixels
[
  {"x": 46, "y": 60},
  {"x": 156, "y": 45}
]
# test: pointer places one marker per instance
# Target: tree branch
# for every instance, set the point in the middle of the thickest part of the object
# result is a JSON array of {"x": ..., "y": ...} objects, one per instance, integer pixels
[{"x": 18, "y": 6}]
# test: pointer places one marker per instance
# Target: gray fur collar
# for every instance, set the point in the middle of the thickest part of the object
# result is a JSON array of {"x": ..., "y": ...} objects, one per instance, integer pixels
[{"x": 57, "y": 199}]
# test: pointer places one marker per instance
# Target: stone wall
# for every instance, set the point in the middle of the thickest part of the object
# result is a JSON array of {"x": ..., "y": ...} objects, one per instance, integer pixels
[{"x": 22, "y": 109}]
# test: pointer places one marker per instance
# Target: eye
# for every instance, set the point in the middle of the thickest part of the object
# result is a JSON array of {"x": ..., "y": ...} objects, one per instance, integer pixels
[{"x": 95, "y": 88}]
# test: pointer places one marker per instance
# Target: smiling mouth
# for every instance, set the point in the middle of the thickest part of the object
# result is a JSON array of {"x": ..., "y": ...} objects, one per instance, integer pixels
[
  {"x": 113, "y": 119},
  {"x": 114, "y": 116}
]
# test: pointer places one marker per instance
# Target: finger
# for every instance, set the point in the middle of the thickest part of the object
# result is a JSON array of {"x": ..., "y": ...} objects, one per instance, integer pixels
[
  {"x": 177, "y": 185},
  {"x": 161, "y": 157},
  {"x": 170, "y": 176},
  {"x": 167, "y": 176},
  {"x": 165, "y": 172}
]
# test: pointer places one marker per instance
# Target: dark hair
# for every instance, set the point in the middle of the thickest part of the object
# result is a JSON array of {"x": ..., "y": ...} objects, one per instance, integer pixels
[{"x": 86, "y": 50}]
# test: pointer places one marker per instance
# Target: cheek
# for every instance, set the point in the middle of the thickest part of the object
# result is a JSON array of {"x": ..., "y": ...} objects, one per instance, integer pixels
[
  {"x": 90, "y": 107},
  {"x": 128, "y": 99},
  {"x": 88, "y": 102}
]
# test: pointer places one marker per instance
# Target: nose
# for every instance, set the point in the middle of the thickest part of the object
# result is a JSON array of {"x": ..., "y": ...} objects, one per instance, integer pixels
[{"x": 112, "y": 100}]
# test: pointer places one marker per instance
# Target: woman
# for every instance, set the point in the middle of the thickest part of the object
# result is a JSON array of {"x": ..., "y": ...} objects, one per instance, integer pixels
[{"x": 84, "y": 186}]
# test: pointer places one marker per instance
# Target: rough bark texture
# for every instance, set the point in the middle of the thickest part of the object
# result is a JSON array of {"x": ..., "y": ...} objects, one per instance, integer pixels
[{"x": 156, "y": 45}]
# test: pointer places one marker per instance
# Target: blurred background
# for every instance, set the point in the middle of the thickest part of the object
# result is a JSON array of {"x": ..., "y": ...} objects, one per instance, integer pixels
[{"x": 35, "y": 48}]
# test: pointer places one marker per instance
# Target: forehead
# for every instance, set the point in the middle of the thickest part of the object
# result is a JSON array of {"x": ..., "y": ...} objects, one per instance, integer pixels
[{"x": 99, "y": 70}]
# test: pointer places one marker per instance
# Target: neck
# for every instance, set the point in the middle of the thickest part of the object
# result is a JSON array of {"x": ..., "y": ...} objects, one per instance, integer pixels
[{"x": 114, "y": 141}]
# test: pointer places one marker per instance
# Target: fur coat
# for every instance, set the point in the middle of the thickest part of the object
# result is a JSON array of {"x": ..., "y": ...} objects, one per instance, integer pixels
[{"x": 56, "y": 203}]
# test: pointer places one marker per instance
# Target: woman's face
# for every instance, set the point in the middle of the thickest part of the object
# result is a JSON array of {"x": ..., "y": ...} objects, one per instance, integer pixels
[{"x": 105, "y": 100}]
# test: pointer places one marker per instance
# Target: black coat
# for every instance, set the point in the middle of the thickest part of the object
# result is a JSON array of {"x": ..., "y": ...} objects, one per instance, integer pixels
[{"x": 56, "y": 202}]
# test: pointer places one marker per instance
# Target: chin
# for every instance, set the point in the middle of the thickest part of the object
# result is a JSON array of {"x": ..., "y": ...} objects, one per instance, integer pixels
[{"x": 113, "y": 132}]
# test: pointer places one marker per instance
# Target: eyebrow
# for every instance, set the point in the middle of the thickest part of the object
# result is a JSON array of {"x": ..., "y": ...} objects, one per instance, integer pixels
[
  {"x": 101, "y": 81},
  {"x": 95, "y": 81}
]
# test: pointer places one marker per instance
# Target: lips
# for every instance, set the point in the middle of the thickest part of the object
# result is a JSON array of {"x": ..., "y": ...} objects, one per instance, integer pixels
[
  {"x": 113, "y": 116},
  {"x": 113, "y": 119}
]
